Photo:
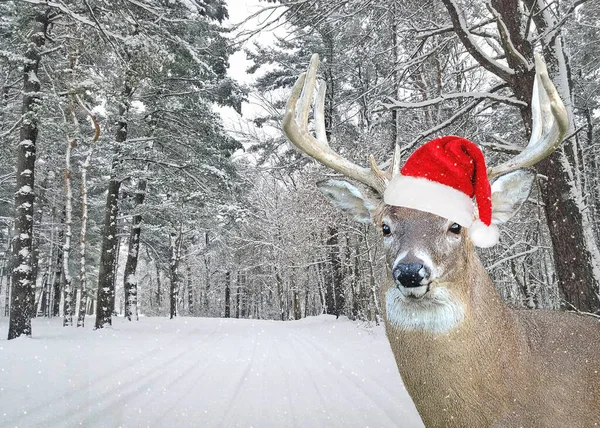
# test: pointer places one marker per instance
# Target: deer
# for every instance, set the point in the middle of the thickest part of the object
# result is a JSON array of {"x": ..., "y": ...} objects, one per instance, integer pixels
[{"x": 466, "y": 358}]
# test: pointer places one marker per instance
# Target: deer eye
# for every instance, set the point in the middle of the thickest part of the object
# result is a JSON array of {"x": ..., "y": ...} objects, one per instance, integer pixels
[
  {"x": 385, "y": 229},
  {"x": 455, "y": 228}
]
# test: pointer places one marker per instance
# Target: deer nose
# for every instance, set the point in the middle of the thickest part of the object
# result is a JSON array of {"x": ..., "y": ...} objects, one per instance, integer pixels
[{"x": 410, "y": 274}]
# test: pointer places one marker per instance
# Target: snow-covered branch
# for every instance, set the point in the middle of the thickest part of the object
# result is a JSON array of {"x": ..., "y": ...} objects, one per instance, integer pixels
[
  {"x": 394, "y": 104},
  {"x": 449, "y": 121},
  {"x": 465, "y": 36},
  {"x": 502, "y": 146},
  {"x": 509, "y": 45}
]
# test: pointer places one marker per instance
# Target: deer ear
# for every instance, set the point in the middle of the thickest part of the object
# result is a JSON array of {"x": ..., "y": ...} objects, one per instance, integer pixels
[
  {"x": 509, "y": 192},
  {"x": 349, "y": 199}
]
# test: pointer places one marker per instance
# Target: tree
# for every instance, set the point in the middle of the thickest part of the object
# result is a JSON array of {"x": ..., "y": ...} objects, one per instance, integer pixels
[{"x": 22, "y": 298}]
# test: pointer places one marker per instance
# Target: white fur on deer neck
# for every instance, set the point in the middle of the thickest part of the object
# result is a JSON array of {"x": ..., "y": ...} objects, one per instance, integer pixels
[{"x": 437, "y": 312}]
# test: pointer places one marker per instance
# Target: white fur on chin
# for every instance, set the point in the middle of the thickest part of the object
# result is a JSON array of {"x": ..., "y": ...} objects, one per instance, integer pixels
[{"x": 438, "y": 312}]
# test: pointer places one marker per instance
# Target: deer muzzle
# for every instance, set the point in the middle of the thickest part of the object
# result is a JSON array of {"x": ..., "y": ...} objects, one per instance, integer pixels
[{"x": 411, "y": 275}]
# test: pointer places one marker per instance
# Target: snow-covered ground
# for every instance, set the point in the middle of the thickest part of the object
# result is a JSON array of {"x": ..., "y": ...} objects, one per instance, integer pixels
[{"x": 200, "y": 372}]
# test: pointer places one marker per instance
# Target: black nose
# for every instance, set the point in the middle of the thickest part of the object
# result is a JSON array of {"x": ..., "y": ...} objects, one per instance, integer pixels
[{"x": 410, "y": 274}]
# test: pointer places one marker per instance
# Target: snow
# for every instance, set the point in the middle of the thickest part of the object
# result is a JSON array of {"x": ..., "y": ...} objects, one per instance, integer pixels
[
  {"x": 32, "y": 77},
  {"x": 23, "y": 267},
  {"x": 186, "y": 372},
  {"x": 25, "y": 190}
]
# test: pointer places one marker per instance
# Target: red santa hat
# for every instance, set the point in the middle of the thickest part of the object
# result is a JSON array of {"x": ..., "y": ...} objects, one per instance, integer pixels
[{"x": 442, "y": 177}]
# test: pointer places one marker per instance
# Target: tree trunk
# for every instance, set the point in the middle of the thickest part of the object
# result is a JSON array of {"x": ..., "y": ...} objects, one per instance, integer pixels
[
  {"x": 106, "y": 270},
  {"x": 372, "y": 282},
  {"x": 244, "y": 298},
  {"x": 227, "y": 294},
  {"x": 336, "y": 274},
  {"x": 82, "y": 240},
  {"x": 22, "y": 299},
  {"x": 280, "y": 298},
  {"x": 175, "y": 279},
  {"x": 237, "y": 297},
  {"x": 207, "y": 273},
  {"x": 37, "y": 219},
  {"x": 131, "y": 283},
  {"x": 190, "y": 295},
  {"x": 58, "y": 268},
  {"x": 297, "y": 305},
  {"x": 67, "y": 279},
  {"x": 329, "y": 278}
]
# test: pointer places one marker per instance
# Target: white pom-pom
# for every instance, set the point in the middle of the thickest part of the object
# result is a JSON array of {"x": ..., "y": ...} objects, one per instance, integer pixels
[{"x": 484, "y": 236}]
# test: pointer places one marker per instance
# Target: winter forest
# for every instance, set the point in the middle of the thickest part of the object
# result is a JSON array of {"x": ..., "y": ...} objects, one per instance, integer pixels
[{"x": 144, "y": 173}]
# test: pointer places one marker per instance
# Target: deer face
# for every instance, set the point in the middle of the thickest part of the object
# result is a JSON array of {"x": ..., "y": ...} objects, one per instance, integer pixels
[{"x": 427, "y": 256}]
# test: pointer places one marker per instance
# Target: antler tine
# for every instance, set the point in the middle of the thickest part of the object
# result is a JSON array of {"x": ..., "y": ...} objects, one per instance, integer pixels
[
  {"x": 295, "y": 127},
  {"x": 395, "y": 165},
  {"x": 550, "y": 123},
  {"x": 320, "y": 114}
]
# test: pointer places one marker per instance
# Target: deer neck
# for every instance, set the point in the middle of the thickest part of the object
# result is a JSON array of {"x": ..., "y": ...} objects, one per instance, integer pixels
[{"x": 448, "y": 374}]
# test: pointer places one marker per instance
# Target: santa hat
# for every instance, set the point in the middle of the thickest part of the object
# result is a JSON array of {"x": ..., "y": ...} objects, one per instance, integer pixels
[{"x": 442, "y": 177}]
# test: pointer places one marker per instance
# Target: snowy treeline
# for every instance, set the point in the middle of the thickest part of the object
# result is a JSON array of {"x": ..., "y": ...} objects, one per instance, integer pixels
[{"x": 133, "y": 198}]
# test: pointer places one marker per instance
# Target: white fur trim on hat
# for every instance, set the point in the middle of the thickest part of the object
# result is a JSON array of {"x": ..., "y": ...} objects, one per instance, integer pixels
[
  {"x": 484, "y": 236},
  {"x": 430, "y": 196}
]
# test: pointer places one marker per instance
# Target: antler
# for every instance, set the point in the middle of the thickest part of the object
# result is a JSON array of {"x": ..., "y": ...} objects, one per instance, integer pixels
[
  {"x": 295, "y": 127},
  {"x": 550, "y": 123}
]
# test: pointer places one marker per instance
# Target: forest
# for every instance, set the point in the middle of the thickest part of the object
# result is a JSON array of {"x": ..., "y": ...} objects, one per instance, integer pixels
[{"x": 124, "y": 193}]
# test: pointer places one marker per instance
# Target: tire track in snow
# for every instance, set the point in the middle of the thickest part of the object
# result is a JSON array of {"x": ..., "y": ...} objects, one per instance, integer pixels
[
  {"x": 159, "y": 376},
  {"x": 230, "y": 408},
  {"x": 349, "y": 378},
  {"x": 120, "y": 386}
]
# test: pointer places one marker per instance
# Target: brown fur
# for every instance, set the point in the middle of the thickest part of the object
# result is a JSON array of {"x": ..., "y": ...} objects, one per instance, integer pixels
[{"x": 499, "y": 367}]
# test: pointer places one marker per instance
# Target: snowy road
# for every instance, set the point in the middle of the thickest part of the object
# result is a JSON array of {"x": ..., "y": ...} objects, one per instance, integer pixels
[{"x": 199, "y": 372}]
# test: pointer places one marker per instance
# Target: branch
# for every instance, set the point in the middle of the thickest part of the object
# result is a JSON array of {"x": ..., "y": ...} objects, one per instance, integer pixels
[
  {"x": 449, "y": 28},
  {"x": 509, "y": 45},
  {"x": 92, "y": 117},
  {"x": 69, "y": 12},
  {"x": 574, "y": 309},
  {"x": 410, "y": 146},
  {"x": 502, "y": 146},
  {"x": 12, "y": 128},
  {"x": 103, "y": 31},
  {"x": 452, "y": 96},
  {"x": 462, "y": 31},
  {"x": 514, "y": 256}
]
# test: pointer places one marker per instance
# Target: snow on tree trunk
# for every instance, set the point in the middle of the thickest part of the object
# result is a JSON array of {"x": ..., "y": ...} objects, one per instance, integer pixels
[
  {"x": 130, "y": 282},
  {"x": 106, "y": 270},
  {"x": 21, "y": 305}
]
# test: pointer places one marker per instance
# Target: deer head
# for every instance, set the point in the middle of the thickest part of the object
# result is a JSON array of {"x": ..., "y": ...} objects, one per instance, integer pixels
[{"x": 427, "y": 254}]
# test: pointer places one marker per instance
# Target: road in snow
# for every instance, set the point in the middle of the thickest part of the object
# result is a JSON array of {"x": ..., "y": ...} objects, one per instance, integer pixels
[{"x": 200, "y": 372}]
